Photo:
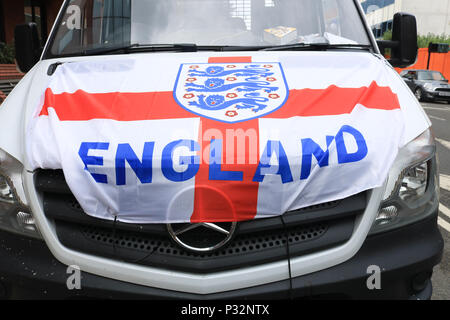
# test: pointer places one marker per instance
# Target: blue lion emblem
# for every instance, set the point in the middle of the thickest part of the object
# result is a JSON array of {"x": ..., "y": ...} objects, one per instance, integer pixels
[
  {"x": 218, "y": 85},
  {"x": 231, "y": 92},
  {"x": 218, "y": 71},
  {"x": 217, "y": 102}
]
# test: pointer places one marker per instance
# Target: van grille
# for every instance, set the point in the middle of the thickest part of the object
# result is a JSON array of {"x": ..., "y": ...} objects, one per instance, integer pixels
[{"x": 256, "y": 242}]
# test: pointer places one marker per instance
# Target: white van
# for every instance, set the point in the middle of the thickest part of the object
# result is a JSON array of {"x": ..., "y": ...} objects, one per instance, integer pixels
[{"x": 216, "y": 149}]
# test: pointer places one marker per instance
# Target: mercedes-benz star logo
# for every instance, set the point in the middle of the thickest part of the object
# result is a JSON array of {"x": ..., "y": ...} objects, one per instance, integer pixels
[{"x": 210, "y": 237}]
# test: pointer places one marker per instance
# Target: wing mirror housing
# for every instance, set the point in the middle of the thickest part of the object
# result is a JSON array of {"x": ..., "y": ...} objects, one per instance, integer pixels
[
  {"x": 27, "y": 44},
  {"x": 404, "y": 41}
]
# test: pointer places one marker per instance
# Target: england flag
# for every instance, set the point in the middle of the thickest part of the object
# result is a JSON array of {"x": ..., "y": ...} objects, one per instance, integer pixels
[{"x": 165, "y": 138}]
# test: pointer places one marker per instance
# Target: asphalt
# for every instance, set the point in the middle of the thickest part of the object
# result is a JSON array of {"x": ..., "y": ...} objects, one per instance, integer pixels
[{"x": 439, "y": 114}]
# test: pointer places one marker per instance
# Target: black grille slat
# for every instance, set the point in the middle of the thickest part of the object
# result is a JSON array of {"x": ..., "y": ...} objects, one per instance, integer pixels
[
  {"x": 244, "y": 250},
  {"x": 256, "y": 242}
]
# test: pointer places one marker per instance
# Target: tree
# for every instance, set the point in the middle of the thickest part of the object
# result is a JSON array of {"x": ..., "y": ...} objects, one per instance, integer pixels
[{"x": 7, "y": 54}]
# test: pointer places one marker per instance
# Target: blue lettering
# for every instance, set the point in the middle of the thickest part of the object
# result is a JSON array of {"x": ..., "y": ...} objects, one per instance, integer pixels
[
  {"x": 310, "y": 148},
  {"x": 343, "y": 155},
  {"x": 264, "y": 166},
  {"x": 94, "y": 161},
  {"x": 143, "y": 170},
  {"x": 215, "y": 166},
  {"x": 193, "y": 162}
]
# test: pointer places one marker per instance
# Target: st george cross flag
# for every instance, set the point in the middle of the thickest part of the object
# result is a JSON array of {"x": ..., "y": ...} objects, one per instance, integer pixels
[{"x": 169, "y": 138}]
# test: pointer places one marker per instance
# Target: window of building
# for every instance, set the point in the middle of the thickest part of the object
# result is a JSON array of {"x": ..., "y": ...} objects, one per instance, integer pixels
[
  {"x": 242, "y": 9},
  {"x": 111, "y": 21},
  {"x": 371, "y": 5},
  {"x": 34, "y": 11},
  {"x": 380, "y": 29}
]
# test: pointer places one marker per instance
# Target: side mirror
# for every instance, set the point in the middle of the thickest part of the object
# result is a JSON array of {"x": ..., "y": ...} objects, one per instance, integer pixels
[
  {"x": 404, "y": 41},
  {"x": 28, "y": 48}
]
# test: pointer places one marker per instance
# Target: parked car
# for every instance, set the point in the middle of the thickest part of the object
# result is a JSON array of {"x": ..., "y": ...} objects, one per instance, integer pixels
[
  {"x": 172, "y": 149},
  {"x": 427, "y": 85}
]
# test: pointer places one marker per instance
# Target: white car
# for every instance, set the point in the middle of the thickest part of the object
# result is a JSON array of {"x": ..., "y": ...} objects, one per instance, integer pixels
[{"x": 216, "y": 149}]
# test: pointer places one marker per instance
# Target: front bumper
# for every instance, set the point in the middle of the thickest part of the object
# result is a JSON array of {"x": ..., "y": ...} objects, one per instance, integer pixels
[
  {"x": 406, "y": 257},
  {"x": 435, "y": 96}
]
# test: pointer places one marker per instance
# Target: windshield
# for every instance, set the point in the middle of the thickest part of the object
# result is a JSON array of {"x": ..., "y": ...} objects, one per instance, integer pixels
[
  {"x": 97, "y": 24},
  {"x": 430, "y": 75}
]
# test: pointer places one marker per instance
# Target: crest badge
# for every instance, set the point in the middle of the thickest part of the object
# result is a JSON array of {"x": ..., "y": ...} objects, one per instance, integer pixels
[{"x": 231, "y": 92}]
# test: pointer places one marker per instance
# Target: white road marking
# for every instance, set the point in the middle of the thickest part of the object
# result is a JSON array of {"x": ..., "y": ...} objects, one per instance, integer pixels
[
  {"x": 444, "y": 224},
  {"x": 437, "y": 109},
  {"x": 444, "y": 210},
  {"x": 445, "y": 143},
  {"x": 437, "y": 118},
  {"x": 444, "y": 181}
]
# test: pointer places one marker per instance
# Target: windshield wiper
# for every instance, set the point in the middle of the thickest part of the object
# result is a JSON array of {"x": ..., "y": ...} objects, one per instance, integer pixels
[
  {"x": 315, "y": 46},
  {"x": 135, "y": 48},
  {"x": 298, "y": 47},
  {"x": 192, "y": 47}
]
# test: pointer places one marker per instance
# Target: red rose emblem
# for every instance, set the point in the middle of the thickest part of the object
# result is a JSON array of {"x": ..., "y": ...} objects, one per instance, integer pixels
[{"x": 231, "y": 114}]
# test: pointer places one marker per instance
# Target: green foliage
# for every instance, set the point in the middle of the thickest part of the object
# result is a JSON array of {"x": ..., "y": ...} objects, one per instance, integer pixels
[
  {"x": 7, "y": 54},
  {"x": 424, "y": 41},
  {"x": 387, "y": 35}
]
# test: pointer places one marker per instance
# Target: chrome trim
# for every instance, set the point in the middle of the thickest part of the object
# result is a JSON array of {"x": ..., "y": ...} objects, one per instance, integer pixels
[{"x": 175, "y": 234}]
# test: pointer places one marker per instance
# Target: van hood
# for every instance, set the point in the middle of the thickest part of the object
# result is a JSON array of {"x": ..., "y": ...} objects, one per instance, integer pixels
[{"x": 195, "y": 137}]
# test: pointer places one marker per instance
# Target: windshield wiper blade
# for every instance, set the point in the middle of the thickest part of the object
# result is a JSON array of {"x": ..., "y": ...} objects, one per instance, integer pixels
[
  {"x": 192, "y": 47},
  {"x": 315, "y": 46},
  {"x": 178, "y": 47}
]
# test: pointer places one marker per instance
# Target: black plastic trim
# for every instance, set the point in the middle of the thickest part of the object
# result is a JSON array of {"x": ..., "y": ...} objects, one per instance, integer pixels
[{"x": 28, "y": 270}]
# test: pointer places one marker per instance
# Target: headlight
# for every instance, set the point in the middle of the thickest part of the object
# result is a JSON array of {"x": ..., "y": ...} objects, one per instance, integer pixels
[
  {"x": 428, "y": 86},
  {"x": 412, "y": 190},
  {"x": 15, "y": 215}
]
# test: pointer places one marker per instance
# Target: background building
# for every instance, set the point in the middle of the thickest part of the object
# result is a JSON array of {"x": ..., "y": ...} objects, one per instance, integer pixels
[
  {"x": 432, "y": 15},
  {"x": 14, "y": 12}
]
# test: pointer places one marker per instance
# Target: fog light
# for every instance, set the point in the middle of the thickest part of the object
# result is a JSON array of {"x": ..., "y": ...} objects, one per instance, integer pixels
[
  {"x": 26, "y": 221},
  {"x": 387, "y": 215}
]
